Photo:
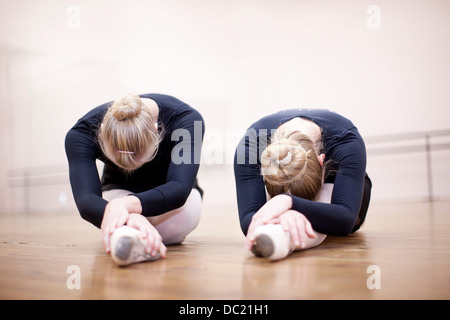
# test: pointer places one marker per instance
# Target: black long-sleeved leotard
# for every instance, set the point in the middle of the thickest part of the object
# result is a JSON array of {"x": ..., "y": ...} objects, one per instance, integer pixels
[
  {"x": 161, "y": 185},
  {"x": 342, "y": 144}
]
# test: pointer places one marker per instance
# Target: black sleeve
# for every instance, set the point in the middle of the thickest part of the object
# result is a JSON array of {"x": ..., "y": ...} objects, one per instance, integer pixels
[
  {"x": 84, "y": 178},
  {"x": 339, "y": 217},
  {"x": 183, "y": 168},
  {"x": 250, "y": 187}
]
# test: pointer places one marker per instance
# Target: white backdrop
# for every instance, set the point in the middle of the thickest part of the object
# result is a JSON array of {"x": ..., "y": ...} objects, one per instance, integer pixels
[{"x": 383, "y": 64}]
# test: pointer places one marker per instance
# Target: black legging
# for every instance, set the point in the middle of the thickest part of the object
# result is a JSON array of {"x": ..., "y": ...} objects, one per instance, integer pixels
[{"x": 364, "y": 204}]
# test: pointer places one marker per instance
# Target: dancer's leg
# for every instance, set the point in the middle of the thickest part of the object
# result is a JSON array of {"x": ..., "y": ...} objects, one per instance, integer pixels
[
  {"x": 175, "y": 225},
  {"x": 325, "y": 197},
  {"x": 272, "y": 242},
  {"x": 127, "y": 245}
]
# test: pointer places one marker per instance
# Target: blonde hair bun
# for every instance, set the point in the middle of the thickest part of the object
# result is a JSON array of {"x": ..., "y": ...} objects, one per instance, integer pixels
[
  {"x": 128, "y": 107},
  {"x": 290, "y": 165},
  {"x": 284, "y": 161},
  {"x": 128, "y": 133}
]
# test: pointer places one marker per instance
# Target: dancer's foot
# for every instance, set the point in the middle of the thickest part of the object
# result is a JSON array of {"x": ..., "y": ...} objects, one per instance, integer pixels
[
  {"x": 272, "y": 242},
  {"x": 127, "y": 247}
]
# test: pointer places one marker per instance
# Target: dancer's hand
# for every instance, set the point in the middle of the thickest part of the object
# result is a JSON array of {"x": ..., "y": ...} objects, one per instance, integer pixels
[
  {"x": 274, "y": 208},
  {"x": 116, "y": 215},
  {"x": 298, "y": 227},
  {"x": 151, "y": 236}
]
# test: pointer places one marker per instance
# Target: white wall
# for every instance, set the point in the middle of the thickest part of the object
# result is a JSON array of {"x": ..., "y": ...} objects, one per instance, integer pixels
[{"x": 233, "y": 60}]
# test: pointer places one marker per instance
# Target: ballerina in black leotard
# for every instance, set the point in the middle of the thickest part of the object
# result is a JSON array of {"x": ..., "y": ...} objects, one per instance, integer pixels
[
  {"x": 285, "y": 153},
  {"x": 150, "y": 145}
]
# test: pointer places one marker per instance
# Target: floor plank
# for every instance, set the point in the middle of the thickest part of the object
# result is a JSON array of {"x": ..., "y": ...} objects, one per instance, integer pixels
[{"x": 408, "y": 243}]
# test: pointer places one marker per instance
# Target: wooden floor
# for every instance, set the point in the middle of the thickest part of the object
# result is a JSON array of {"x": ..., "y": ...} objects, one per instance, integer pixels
[{"x": 408, "y": 243}]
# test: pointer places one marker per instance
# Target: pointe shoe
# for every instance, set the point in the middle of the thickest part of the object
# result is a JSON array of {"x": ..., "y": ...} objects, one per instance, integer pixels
[
  {"x": 128, "y": 247},
  {"x": 272, "y": 242}
]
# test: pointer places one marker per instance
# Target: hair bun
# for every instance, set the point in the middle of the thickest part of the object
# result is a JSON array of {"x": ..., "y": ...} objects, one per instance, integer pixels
[
  {"x": 290, "y": 165},
  {"x": 128, "y": 107},
  {"x": 277, "y": 152}
]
